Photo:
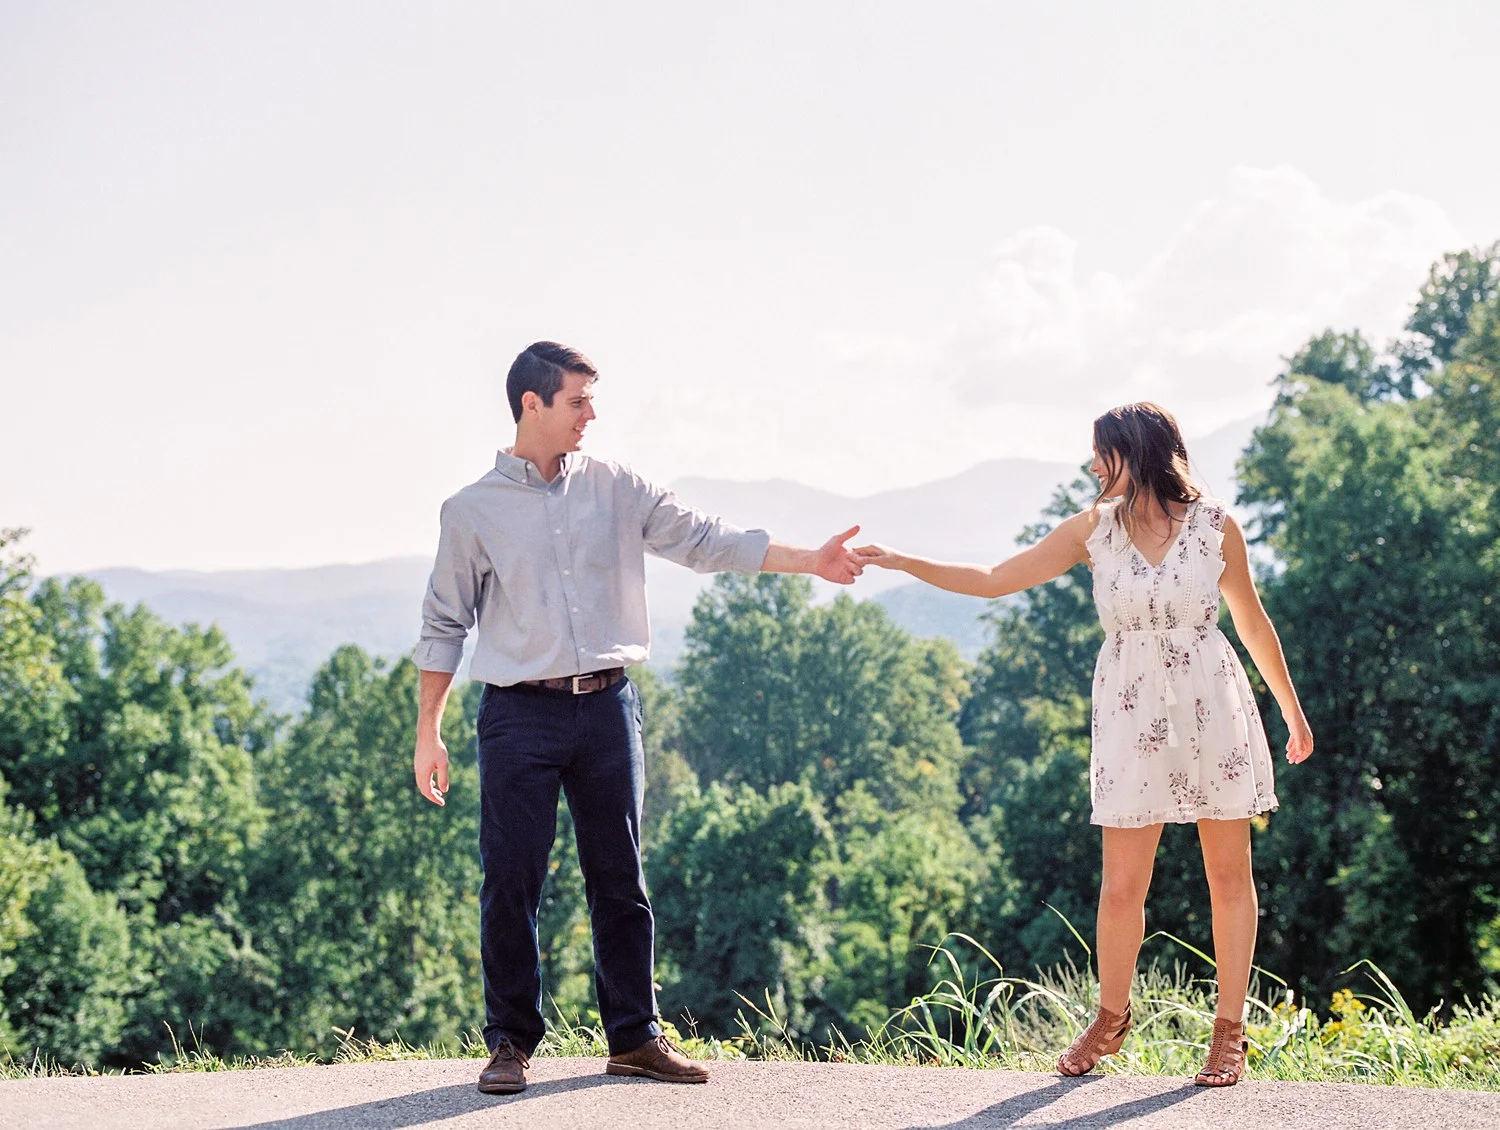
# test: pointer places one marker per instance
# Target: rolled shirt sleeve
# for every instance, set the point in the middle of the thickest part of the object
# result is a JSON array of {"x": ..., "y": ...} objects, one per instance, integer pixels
[
  {"x": 703, "y": 543},
  {"x": 453, "y": 593}
]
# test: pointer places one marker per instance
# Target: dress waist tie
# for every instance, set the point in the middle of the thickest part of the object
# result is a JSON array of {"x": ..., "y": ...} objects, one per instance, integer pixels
[{"x": 1166, "y": 694}]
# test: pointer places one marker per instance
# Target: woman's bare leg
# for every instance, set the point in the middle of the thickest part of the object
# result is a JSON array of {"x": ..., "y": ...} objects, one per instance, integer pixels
[
  {"x": 1231, "y": 889},
  {"x": 1129, "y": 854}
]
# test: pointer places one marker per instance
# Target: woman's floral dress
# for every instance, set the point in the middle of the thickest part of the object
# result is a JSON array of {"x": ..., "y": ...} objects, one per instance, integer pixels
[{"x": 1177, "y": 736}]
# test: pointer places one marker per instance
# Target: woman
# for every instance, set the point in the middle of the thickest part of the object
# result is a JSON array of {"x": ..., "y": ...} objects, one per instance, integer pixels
[{"x": 1177, "y": 737}]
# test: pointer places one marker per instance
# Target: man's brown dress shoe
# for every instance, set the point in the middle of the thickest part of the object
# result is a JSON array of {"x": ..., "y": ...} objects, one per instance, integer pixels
[
  {"x": 505, "y": 1074},
  {"x": 658, "y": 1059}
]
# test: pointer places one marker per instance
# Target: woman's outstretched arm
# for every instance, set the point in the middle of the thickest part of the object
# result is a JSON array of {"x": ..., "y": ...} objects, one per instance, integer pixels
[
  {"x": 1260, "y": 639},
  {"x": 1051, "y": 557}
]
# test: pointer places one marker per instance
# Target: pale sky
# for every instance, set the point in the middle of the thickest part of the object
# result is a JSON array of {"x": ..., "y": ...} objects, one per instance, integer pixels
[{"x": 263, "y": 265}]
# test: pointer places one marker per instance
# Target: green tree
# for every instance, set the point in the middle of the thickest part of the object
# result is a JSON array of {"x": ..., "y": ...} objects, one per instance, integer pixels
[
  {"x": 737, "y": 882},
  {"x": 1380, "y": 513},
  {"x": 1350, "y": 362},
  {"x": 65, "y": 972},
  {"x": 835, "y": 698},
  {"x": 739, "y": 712},
  {"x": 1457, "y": 285},
  {"x": 21, "y": 858},
  {"x": 73, "y": 977},
  {"x": 367, "y": 895},
  {"x": 1044, "y": 643},
  {"x": 777, "y": 690},
  {"x": 903, "y": 881},
  {"x": 130, "y": 745},
  {"x": 35, "y": 697},
  {"x": 1027, "y": 784},
  {"x": 667, "y": 770},
  {"x": 153, "y": 792}
]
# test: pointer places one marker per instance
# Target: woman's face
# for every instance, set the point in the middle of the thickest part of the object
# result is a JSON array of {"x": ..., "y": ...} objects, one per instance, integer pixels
[{"x": 1099, "y": 468}]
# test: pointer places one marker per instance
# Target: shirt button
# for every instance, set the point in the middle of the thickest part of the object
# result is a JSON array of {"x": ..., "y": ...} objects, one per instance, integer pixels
[
  {"x": 567, "y": 572},
  {"x": 575, "y": 610},
  {"x": 557, "y": 531}
]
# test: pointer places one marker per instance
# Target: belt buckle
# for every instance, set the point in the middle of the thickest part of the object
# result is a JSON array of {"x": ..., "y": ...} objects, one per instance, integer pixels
[{"x": 576, "y": 688}]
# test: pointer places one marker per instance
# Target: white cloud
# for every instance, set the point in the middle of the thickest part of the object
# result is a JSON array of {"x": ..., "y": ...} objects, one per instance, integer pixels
[
  {"x": 1244, "y": 281},
  {"x": 1040, "y": 348}
]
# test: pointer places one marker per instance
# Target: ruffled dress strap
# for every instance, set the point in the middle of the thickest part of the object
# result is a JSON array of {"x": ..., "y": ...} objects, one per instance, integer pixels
[
  {"x": 1208, "y": 518},
  {"x": 1108, "y": 539}
]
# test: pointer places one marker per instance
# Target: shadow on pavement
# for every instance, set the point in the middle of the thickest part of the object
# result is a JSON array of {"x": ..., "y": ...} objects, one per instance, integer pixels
[
  {"x": 424, "y": 1107},
  {"x": 1019, "y": 1106}
]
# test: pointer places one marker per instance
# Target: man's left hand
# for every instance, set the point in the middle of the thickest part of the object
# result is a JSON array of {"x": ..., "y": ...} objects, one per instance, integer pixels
[{"x": 835, "y": 562}]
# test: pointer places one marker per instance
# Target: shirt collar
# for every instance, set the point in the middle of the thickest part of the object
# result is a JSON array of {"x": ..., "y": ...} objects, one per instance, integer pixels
[{"x": 523, "y": 471}]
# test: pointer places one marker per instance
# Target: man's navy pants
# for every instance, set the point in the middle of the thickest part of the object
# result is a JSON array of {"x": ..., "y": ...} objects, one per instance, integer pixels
[{"x": 533, "y": 741}]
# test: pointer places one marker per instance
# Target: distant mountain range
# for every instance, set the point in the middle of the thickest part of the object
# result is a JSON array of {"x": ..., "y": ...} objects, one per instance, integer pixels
[{"x": 283, "y": 623}]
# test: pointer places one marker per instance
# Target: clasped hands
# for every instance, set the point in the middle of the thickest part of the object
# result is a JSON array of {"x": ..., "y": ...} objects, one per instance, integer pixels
[{"x": 835, "y": 561}]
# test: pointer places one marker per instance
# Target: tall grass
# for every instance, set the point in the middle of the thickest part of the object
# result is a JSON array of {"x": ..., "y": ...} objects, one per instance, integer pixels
[{"x": 978, "y": 1017}]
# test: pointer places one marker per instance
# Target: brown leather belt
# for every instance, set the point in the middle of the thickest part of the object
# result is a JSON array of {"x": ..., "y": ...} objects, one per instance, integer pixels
[{"x": 579, "y": 684}]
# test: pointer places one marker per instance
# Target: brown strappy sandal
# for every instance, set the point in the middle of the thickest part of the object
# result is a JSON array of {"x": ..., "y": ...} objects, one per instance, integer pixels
[
  {"x": 1225, "y": 1065},
  {"x": 1101, "y": 1038}
]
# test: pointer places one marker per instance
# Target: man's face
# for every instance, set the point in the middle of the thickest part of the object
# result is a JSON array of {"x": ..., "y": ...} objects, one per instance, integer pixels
[{"x": 560, "y": 426}]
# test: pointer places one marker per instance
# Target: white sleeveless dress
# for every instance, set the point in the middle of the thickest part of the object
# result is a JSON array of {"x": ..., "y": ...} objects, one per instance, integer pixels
[{"x": 1177, "y": 735}]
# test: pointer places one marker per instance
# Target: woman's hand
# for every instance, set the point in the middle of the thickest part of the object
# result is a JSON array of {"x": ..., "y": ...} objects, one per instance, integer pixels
[
  {"x": 881, "y": 556},
  {"x": 1299, "y": 743}
]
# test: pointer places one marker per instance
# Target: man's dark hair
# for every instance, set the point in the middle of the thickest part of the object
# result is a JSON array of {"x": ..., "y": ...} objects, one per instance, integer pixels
[{"x": 540, "y": 368}]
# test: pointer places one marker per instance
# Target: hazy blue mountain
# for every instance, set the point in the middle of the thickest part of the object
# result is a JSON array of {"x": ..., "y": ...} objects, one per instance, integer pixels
[
  {"x": 974, "y": 515},
  {"x": 1215, "y": 455},
  {"x": 283, "y": 623}
]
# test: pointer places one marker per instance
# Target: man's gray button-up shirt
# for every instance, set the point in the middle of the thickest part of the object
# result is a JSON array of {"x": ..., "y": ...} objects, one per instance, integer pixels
[{"x": 554, "y": 574}]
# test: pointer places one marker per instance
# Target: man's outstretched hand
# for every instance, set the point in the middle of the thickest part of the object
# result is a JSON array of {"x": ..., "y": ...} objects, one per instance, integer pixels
[{"x": 835, "y": 562}]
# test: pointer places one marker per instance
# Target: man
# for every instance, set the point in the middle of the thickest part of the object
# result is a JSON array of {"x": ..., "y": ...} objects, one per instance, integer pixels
[{"x": 546, "y": 555}]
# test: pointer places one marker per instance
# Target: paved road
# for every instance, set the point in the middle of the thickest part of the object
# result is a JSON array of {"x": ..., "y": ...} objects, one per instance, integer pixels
[{"x": 573, "y": 1094}]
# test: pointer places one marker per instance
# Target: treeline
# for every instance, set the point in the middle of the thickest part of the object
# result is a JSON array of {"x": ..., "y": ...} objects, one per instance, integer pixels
[{"x": 828, "y": 795}]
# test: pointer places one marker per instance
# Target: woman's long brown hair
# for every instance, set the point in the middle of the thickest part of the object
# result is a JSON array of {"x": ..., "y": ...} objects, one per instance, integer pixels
[{"x": 1144, "y": 439}]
